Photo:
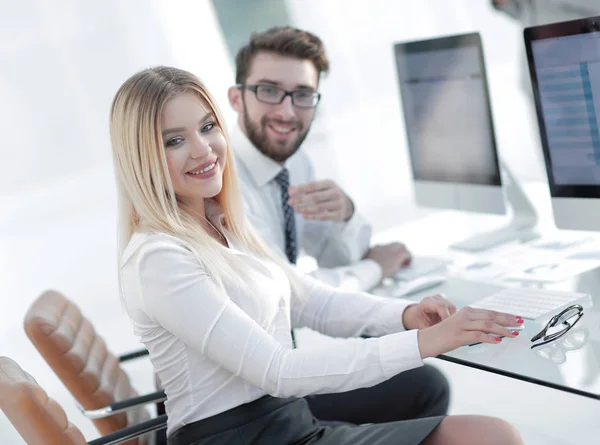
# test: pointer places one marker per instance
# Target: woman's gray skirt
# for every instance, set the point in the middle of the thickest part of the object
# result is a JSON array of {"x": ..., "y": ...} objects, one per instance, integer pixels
[{"x": 273, "y": 421}]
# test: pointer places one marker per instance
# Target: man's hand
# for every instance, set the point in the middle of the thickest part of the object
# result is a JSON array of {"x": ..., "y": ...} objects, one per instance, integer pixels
[
  {"x": 430, "y": 311},
  {"x": 391, "y": 257},
  {"x": 321, "y": 201}
]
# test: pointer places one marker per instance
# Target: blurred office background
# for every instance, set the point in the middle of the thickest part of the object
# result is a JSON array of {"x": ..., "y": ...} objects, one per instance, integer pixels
[{"x": 62, "y": 61}]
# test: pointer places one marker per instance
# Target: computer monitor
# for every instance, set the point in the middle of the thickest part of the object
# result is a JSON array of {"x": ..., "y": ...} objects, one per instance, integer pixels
[
  {"x": 450, "y": 133},
  {"x": 564, "y": 65}
]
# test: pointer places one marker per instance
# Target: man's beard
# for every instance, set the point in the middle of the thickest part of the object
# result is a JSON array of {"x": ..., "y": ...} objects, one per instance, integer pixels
[{"x": 279, "y": 152}]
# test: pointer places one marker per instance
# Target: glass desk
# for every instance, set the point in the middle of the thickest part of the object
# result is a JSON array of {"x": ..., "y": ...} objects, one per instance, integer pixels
[{"x": 572, "y": 362}]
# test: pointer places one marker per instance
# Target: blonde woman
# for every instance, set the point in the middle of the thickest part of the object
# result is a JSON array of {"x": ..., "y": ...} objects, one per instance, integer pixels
[{"x": 214, "y": 307}]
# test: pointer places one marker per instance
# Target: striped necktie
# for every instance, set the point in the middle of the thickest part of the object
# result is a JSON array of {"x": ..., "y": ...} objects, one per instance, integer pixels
[{"x": 289, "y": 221}]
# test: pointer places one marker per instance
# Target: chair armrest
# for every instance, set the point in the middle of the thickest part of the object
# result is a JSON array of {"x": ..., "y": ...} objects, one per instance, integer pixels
[
  {"x": 131, "y": 432},
  {"x": 133, "y": 355},
  {"x": 124, "y": 405}
]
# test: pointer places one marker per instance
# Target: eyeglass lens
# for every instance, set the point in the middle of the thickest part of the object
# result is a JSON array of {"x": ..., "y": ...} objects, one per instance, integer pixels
[
  {"x": 564, "y": 323},
  {"x": 568, "y": 314}
]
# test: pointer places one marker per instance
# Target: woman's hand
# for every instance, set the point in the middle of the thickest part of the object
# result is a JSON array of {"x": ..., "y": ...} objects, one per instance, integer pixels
[
  {"x": 430, "y": 311},
  {"x": 468, "y": 325}
]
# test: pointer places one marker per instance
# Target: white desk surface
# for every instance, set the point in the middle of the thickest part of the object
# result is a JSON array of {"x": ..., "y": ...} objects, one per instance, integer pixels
[{"x": 571, "y": 363}]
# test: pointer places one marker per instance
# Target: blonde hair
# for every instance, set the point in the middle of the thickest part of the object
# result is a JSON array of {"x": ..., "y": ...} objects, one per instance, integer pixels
[{"x": 147, "y": 201}]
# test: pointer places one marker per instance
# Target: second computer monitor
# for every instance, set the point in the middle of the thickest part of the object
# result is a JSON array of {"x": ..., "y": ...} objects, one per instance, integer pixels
[
  {"x": 444, "y": 95},
  {"x": 564, "y": 64}
]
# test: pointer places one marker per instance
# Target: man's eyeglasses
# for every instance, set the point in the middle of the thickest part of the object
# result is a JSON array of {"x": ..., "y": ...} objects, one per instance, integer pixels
[
  {"x": 558, "y": 325},
  {"x": 271, "y": 94}
]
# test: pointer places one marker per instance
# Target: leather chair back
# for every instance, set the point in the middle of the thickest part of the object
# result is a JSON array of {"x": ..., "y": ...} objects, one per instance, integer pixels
[
  {"x": 38, "y": 418},
  {"x": 79, "y": 357}
]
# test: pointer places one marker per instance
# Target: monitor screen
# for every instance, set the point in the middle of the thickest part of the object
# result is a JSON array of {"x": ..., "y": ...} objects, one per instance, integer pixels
[
  {"x": 564, "y": 66},
  {"x": 446, "y": 105},
  {"x": 568, "y": 85}
]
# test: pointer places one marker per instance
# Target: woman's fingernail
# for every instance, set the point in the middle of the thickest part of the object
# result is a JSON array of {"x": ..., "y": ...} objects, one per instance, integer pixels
[
  {"x": 498, "y": 339},
  {"x": 515, "y": 333},
  {"x": 519, "y": 321}
]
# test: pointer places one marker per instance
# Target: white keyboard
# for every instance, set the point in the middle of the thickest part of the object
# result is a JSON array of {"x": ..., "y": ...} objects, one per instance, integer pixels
[
  {"x": 529, "y": 303},
  {"x": 420, "y": 266}
]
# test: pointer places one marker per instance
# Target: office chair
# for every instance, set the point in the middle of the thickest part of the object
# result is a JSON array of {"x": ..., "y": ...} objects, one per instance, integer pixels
[
  {"x": 41, "y": 421},
  {"x": 81, "y": 360}
]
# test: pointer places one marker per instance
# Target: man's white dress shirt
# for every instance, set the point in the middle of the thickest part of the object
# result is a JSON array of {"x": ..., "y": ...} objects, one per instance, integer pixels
[
  {"x": 216, "y": 348},
  {"x": 338, "y": 247}
]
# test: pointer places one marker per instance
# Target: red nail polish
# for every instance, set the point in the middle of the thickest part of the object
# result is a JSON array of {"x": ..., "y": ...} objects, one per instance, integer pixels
[
  {"x": 498, "y": 339},
  {"x": 519, "y": 321},
  {"x": 515, "y": 333}
]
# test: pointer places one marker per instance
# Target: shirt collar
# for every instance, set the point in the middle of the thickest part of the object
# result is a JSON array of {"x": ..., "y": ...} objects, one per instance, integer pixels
[{"x": 262, "y": 168}]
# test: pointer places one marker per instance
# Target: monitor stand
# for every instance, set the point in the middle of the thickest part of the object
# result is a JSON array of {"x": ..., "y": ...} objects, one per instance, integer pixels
[{"x": 519, "y": 229}]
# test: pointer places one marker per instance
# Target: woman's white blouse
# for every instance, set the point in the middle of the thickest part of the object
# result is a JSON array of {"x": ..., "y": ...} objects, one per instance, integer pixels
[{"x": 217, "y": 348}]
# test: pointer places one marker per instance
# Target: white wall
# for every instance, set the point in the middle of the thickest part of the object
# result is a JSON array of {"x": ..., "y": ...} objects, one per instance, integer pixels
[
  {"x": 365, "y": 142},
  {"x": 61, "y": 62}
]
